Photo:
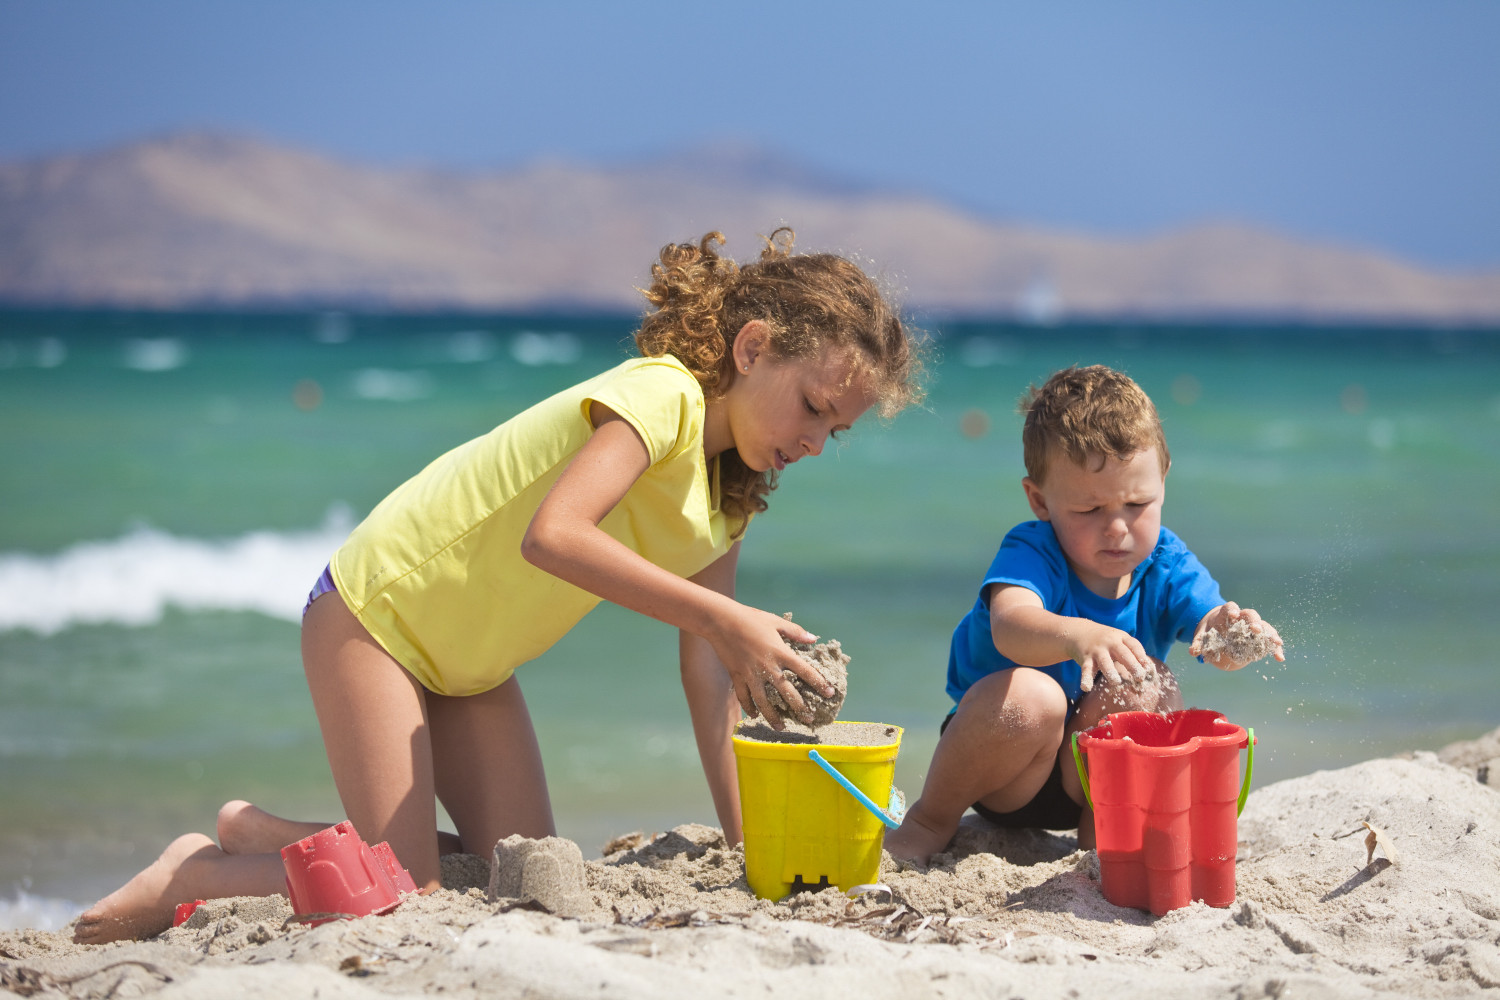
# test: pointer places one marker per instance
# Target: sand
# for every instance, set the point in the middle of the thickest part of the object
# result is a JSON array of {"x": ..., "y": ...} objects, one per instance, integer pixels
[
  {"x": 846, "y": 734},
  {"x": 1001, "y": 914},
  {"x": 830, "y": 660},
  {"x": 1242, "y": 643}
]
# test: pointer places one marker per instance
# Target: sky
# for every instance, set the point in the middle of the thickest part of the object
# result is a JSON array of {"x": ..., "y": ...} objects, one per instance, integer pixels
[{"x": 1355, "y": 122}]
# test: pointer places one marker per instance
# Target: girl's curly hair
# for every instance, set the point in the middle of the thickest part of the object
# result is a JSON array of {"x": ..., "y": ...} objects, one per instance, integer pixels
[{"x": 810, "y": 303}]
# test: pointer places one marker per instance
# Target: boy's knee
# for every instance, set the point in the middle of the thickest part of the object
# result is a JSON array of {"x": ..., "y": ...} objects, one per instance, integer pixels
[{"x": 1021, "y": 700}]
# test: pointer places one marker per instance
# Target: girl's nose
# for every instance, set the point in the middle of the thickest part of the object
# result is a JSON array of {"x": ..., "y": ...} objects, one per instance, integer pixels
[{"x": 813, "y": 444}]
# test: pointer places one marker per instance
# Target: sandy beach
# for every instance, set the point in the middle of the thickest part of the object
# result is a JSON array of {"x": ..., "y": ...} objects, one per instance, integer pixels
[{"x": 1317, "y": 914}]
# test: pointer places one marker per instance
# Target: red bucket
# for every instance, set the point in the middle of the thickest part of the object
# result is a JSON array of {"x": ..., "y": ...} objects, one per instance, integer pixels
[{"x": 1166, "y": 795}]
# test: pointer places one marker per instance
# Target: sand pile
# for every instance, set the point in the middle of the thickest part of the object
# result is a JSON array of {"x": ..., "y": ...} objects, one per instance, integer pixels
[
  {"x": 1239, "y": 642},
  {"x": 830, "y": 660},
  {"x": 1001, "y": 913}
]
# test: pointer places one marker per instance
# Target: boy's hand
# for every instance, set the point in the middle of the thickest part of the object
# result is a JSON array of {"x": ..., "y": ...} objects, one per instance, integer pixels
[
  {"x": 1102, "y": 650},
  {"x": 751, "y": 647},
  {"x": 1219, "y": 620}
]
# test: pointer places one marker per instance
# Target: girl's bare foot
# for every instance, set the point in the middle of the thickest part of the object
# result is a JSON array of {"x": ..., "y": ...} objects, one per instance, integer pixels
[
  {"x": 245, "y": 828},
  {"x": 192, "y": 867},
  {"x": 144, "y": 906}
]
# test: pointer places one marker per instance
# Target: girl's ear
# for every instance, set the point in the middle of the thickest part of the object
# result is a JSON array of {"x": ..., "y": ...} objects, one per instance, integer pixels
[
  {"x": 750, "y": 344},
  {"x": 1035, "y": 498}
]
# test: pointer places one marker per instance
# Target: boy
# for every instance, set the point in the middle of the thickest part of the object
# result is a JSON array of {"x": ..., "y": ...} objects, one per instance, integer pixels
[{"x": 1074, "y": 618}]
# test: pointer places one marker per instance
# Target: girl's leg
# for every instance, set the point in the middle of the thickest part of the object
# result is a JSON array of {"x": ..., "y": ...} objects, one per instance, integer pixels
[
  {"x": 190, "y": 868},
  {"x": 488, "y": 767},
  {"x": 373, "y": 715},
  {"x": 245, "y": 828}
]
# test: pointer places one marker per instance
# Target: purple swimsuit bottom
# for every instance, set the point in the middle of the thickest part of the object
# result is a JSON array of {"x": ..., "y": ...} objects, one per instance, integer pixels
[{"x": 323, "y": 586}]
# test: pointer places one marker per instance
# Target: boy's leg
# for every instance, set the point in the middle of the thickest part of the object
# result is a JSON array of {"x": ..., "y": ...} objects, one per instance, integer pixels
[
  {"x": 999, "y": 749},
  {"x": 489, "y": 772},
  {"x": 191, "y": 867},
  {"x": 1157, "y": 693}
]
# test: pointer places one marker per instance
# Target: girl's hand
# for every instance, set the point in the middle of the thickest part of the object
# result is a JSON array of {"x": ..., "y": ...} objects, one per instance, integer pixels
[
  {"x": 1102, "y": 650},
  {"x": 750, "y": 645},
  {"x": 1219, "y": 620}
]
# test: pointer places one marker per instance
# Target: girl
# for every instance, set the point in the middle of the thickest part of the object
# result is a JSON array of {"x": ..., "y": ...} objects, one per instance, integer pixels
[{"x": 634, "y": 487}]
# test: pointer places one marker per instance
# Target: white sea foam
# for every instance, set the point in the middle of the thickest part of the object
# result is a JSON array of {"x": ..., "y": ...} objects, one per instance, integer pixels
[
  {"x": 36, "y": 912},
  {"x": 48, "y": 352},
  {"x": 470, "y": 346},
  {"x": 982, "y": 352},
  {"x": 133, "y": 579},
  {"x": 392, "y": 386},
  {"x": 154, "y": 354},
  {"x": 534, "y": 349}
]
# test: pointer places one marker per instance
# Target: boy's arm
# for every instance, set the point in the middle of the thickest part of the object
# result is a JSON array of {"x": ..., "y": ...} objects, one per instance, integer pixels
[
  {"x": 1027, "y": 633},
  {"x": 712, "y": 703},
  {"x": 1219, "y": 619}
]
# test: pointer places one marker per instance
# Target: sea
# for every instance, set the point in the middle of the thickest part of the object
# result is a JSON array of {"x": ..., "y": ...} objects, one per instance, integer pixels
[{"x": 171, "y": 484}]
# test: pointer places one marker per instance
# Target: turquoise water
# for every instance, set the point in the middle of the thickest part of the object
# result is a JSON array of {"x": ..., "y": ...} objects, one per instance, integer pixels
[{"x": 171, "y": 485}]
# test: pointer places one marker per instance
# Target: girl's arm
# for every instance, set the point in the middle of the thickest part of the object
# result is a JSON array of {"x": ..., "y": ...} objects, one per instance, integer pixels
[
  {"x": 713, "y": 705},
  {"x": 1027, "y": 633},
  {"x": 565, "y": 539}
]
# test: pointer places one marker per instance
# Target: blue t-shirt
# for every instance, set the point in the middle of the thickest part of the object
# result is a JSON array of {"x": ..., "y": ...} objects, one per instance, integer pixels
[{"x": 1169, "y": 594}]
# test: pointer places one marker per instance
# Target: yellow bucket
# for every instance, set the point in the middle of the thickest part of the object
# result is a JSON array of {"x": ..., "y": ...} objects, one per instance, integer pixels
[{"x": 802, "y": 827}]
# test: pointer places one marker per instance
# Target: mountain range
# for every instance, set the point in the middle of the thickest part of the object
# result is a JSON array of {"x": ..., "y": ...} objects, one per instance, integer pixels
[{"x": 214, "y": 220}]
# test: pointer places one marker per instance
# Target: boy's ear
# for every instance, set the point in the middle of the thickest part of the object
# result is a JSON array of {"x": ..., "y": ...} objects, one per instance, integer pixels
[{"x": 1035, "y": 499}]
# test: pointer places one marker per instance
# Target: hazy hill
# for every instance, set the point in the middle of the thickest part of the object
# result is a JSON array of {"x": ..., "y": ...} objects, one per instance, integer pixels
[{"x": 198, "y": 219}]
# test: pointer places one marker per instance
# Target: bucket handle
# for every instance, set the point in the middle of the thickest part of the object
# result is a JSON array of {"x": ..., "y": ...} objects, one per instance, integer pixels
[
  {"x": 852, "y": 789},
  {"x": 1088, "y": 796}
]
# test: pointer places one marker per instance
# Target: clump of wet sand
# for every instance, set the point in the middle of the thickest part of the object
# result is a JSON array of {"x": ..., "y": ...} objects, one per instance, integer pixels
[
  {"x": 831, "y": 662},
  {"x": 845, "y": 734},
  {"x": 1239, "y": 642}
]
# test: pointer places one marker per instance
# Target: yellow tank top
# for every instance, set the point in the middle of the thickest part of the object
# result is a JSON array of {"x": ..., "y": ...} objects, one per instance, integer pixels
[{"x": 435, "y": 572}]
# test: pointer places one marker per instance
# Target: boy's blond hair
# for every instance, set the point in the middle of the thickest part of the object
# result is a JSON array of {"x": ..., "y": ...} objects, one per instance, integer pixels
[{"x": 1087, "y": 412}]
